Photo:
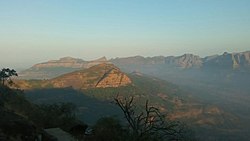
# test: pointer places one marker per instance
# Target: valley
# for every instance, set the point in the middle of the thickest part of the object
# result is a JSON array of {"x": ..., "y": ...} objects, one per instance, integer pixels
[
  {"x": 213, "y": 99},
  {"x": 112, "y": 70}
]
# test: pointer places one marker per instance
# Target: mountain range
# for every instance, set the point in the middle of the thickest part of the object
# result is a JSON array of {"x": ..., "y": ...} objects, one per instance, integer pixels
[
  {"x": 226, "y": 61},
  {"x": 232, "y": 61}
]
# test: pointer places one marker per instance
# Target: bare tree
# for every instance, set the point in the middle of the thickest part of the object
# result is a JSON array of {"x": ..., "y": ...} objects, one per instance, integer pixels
[{"x": 149, "y": 124}]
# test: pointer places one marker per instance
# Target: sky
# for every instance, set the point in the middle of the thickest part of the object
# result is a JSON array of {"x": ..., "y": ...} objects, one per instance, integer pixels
[{"x": 34, "y": 31}]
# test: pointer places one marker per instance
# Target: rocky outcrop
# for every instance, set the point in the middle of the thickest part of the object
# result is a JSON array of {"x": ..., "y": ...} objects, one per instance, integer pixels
[
  {"x": 229, "y": 61},
  {"x": 113, "y": 78},
  {"x": 69, "y": 62},
  {"x": 62, "y": 62},
  {"x": 185, "y": 61}
]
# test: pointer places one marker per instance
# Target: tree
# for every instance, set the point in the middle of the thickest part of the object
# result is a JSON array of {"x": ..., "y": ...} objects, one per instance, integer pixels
[
  {"x": 53, "y": 115},
  {"x": 108, "y": 129},
  {"x": 6, "y": 74},
  {"x": 149, "y": 124}
]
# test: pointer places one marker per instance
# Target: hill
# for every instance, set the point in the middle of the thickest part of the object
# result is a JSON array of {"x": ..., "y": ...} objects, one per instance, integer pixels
[
  {"x": 102, "y": 75},
  {"x": 54, "y": 68},
  {"x": 99, "y": 76}
]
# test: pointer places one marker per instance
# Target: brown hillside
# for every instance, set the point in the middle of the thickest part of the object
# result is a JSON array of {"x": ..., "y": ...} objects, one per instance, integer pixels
[{"x": 102, "y": 75}]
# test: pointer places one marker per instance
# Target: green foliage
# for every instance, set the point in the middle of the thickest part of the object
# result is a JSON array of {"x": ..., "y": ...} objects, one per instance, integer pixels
[{"x": 6, "y": 74}]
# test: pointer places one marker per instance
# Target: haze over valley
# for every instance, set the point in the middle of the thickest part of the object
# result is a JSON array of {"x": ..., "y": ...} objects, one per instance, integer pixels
[
  {"x": 109, "y": 70},
  {"x": 210, "y": 93}
]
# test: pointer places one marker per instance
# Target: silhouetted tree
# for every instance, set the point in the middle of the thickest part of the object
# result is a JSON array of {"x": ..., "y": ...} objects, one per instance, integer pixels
[
  {"x": 6, "y": 74},
  {"x": 149, "y": 124}
]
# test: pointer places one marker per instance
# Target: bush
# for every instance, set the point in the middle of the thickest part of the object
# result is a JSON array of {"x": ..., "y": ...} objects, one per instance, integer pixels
[{"x": 108, "y": 129}]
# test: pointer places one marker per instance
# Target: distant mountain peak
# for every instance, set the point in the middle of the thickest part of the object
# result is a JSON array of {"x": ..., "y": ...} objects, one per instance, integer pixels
[
  {"x": 102, "y": 59},
  {"x": 67, "y": 58}
]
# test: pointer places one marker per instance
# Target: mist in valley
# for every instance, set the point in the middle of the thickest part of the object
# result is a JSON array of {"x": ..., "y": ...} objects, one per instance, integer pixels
[{"x": 108, "y": 70}]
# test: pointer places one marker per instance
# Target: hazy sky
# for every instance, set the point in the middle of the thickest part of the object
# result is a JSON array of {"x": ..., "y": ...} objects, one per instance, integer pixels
[{"x": 33, "y": 31}]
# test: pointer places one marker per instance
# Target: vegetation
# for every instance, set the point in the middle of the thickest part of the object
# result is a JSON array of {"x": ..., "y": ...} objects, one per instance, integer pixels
[
  {"x": 6, "y": 74},
  {"x": 149, "y": 123},
  {"x": 143, "y": 123},
  {"x": 44, "y": 116},
  {"x": 54, "y": 115},
  {"x": 109, "y": 129},
  {"x": 21, "y": 118}
]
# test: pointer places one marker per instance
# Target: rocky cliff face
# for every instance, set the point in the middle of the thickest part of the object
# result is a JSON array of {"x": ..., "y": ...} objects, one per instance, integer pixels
[
  {"x": 62, "y": 62},
  {"x": 226, "y": 61},
  {"x": 187, "y": 61},
  {"x": 69, "y": 62},
  {"x": 100, "y": 76},
  {"x": 113, "y": 78},
  {"x": 229, "y": 61}
]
